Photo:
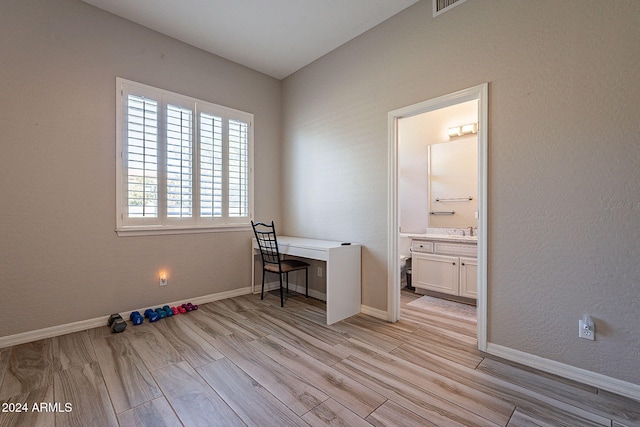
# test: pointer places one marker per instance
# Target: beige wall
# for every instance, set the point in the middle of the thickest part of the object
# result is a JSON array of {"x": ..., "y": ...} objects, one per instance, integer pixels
[
  {"x": 564, "y": 156},
  {"x": 60, "y": 259}
]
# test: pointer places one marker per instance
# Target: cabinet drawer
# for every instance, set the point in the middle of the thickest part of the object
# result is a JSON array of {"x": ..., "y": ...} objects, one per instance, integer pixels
[
  {"x": 421, "y": 246},
  {"x": 456, "y": 249}
]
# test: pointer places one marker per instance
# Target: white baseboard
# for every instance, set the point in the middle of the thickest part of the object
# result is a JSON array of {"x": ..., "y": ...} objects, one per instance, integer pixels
[
  {"x": 584, "y": 376},
  {"x": 81, "y": 325},
  {"x": 374, "y": 312},
  {"x": 52, "y": 331}
]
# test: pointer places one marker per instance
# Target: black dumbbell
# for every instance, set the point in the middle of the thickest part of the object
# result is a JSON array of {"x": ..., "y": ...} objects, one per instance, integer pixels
[
  {"x": 117, "y": 323},
  {"x": 136, "y": 318},
  {"x": 113, "y": 318},
  {"x": 151, "y": 315}
]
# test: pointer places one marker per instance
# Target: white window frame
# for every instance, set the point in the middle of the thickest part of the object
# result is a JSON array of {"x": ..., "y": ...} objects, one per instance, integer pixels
[{"x": 162, "y": 223}]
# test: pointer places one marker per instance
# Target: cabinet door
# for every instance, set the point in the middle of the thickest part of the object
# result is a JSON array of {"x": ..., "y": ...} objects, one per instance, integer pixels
[
  {"x": 469, "y": 278},
  {"x": 435, "y": 272}
]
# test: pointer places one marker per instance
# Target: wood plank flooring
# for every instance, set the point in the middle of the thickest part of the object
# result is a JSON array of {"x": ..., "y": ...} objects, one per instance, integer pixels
[{"x": 244, "y": 361}]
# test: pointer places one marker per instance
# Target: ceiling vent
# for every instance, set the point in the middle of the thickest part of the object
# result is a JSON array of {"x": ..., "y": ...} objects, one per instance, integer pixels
[{"x": 441, "y": 6}]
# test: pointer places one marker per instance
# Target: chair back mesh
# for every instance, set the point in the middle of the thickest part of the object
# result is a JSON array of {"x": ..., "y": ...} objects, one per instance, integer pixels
[{"x": 267, "y": 242}]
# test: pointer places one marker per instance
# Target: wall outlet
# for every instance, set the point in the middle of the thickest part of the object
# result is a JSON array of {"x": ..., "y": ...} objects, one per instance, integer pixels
[
  {"x": 319, "y": 271},
  {"x": 587, "y": 328},
  {"x": 163, "y": 280}
]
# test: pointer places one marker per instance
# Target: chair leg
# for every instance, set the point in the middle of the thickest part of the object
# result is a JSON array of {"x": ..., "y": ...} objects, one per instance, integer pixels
[
  {"x": 306, "y": 283},
  {"x": 281, "y": 294},
  {"x": 264, "y": 273},
  {"x": 287, "y": 277}
]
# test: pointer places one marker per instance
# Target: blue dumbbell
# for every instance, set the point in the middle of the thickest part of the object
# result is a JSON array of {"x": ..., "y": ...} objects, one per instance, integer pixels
[
  {"x": 161, "y": 313},
  {"x": 168, "y": 310},
  {"x": 136, "y": 318},
  {"x": 151, "y": 315}
]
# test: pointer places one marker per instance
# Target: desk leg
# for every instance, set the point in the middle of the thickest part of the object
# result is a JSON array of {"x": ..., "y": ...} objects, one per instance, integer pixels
[
  {"x": 253, "y": 270},
  {"x": 344, "y": 286}
]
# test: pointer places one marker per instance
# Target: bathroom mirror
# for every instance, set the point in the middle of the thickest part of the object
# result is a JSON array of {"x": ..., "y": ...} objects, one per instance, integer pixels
[{"x": 453, "y": 183}]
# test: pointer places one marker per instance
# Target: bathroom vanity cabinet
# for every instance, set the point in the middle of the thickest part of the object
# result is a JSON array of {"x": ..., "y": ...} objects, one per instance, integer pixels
[{"x": 446, "y": 264}]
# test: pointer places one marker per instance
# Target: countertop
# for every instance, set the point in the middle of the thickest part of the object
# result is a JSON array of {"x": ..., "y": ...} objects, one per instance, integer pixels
[{"x": 445, "y": 238}]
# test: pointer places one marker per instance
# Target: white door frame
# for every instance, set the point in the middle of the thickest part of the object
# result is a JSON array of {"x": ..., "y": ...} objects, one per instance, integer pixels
[{"x": 479, "y": 93}]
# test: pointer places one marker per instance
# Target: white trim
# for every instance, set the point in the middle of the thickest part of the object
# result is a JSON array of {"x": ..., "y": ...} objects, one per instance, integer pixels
[
  {"x": 393, "y": 227},
  {"x": 81, "y": 325},
  {"x": 483, "y": 191},
  {"x": 479, "y": 93},
  {"x": 374, "y": 312},
  {"x": 583, "y": 376},
  {"x": 154, "y": 231}
]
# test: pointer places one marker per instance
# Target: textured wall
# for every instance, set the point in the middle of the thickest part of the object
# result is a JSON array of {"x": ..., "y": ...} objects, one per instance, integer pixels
[
  {"x": 564, "y": 156},
  {"x": 60, "y": 259}
]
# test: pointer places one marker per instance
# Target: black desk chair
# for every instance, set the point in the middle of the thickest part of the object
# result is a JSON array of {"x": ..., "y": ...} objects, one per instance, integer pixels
[{"x": 271, "y": 260}]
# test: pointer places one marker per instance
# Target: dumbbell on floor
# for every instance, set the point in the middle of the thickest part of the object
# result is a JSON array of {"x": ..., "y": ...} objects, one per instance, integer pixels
[
  {"x": 168, "y": 310},
  {"x": 136, "y": 318},
  {"x": 189, "y": 307},
  {"x": 151, "y": 315},
  {"x": 116, "y": 323}
]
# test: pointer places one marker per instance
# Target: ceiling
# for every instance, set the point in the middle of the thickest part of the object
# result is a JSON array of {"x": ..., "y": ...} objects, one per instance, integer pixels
[{"x": 275, "y": 37}]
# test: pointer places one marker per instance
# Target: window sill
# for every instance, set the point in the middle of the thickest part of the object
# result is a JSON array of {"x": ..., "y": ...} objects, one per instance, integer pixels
[{"x": 156, "y": 231}]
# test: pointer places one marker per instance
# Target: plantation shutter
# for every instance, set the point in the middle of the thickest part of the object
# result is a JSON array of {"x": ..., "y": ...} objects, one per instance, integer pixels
[
  {"x": 210, "y": 166},
  {"x": 238, "y": 169},
  {"x": 179, "y": 162},
  {"x": 142, "y": 157}
]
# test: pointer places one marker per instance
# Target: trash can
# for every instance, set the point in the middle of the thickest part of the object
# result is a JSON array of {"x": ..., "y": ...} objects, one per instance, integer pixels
[{"x": 409, "y": 280}]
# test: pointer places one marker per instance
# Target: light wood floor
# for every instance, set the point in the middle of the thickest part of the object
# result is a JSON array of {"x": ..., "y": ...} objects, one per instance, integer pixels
[{"x": 243, "y": 361}]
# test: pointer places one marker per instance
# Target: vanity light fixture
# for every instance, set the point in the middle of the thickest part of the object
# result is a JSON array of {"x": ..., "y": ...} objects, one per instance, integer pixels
[
  {"x": 463, "y": 130},
  {"x": 470, "y": 128},
  {"x": 455, "y": 131}
]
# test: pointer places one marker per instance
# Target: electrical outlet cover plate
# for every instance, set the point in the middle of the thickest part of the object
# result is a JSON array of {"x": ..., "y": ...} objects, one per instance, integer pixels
[{"x": 588, "y": 332}]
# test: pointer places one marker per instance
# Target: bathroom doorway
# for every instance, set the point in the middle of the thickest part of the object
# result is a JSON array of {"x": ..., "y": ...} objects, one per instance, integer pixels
[{"x": 477, "y": 97}]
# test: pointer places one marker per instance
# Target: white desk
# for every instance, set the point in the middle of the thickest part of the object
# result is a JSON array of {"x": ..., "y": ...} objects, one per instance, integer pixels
[{"x": 343, "y": 271}]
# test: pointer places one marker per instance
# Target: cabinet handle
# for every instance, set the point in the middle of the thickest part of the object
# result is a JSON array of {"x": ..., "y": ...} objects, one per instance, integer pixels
[
  {"x": 462, "y": 263},
  {"x": 454, "y": 263}
]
